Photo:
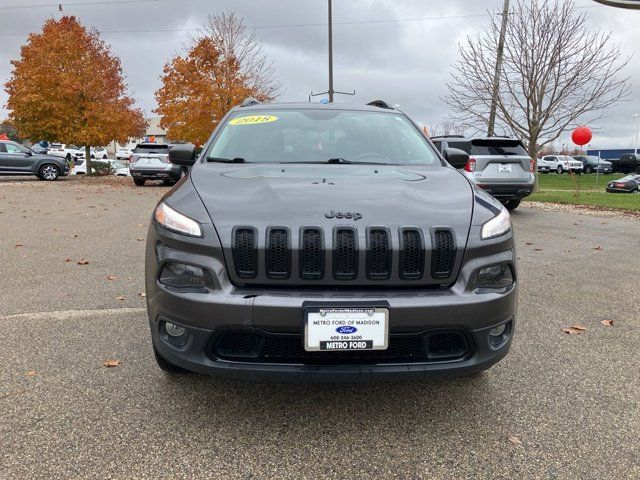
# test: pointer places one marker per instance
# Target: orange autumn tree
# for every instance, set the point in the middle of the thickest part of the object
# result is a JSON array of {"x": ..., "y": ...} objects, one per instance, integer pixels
[
  {"x": 222, "y": 67},
  {"x": 67, "y": 86}
]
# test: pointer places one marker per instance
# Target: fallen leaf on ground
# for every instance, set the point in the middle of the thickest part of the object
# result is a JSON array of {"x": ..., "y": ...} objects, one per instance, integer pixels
[
  {"x": 18, "y": 244},
  {"x": 597, "y": 248},
  {"x": 141, "y": 239},
  {"x": 141, "y": 294},
  {"x": 83, "y": 261},
  {"x": 574, "y": 330},
  {"x": 31, "y": 373},
  {"x": 111, "y": 363},
  {"x": 515, "y": 440},
  {"x": 607, "y": 323},
  {"x": 121, "y": 298},
  {"x": 111, "y": 277},
  {"x": 67, "y": 259},
  {"x": 537, "y": 249}
]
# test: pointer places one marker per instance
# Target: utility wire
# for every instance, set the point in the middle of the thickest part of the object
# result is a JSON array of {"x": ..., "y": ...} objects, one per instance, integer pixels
[
  {"x": 75, "y": 4},
  {"x": 284, "y": 25}
]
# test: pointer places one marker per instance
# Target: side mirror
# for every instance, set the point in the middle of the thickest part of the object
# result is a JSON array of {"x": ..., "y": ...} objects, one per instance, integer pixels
[
  {"x": 457, "y": 158},
  {"x": 183, "y": 154}
]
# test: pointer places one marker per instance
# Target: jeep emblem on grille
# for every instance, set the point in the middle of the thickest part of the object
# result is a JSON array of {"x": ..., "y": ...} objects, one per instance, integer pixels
[{"x": 348, "y": 215}]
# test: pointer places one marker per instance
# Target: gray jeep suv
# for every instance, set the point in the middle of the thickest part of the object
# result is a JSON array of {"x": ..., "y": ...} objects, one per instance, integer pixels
[
  {"x": 498, "y": 165},
  {"x": 327, "y": 243}
]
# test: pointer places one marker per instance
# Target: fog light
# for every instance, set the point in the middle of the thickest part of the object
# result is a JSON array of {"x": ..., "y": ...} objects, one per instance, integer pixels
[
  {"x": 174, "y": 330},
  {"x": 495, "y": 276},
  {"x": 498, "y": 331},
  {"x": 181, "y": 275}
]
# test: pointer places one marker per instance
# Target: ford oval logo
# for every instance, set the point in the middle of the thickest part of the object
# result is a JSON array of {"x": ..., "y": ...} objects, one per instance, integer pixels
[{"x": 346, "y": 329}]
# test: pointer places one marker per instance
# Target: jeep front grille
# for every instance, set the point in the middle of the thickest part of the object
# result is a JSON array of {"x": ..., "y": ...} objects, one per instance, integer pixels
[{"x": 370, "y": 255}]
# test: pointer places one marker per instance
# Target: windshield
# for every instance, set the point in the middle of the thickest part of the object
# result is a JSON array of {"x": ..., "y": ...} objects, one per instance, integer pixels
[
  {"x": 321, "y": 135},
  {"x": 497, "y": 147},
  {"x": 151, "y": 149}
]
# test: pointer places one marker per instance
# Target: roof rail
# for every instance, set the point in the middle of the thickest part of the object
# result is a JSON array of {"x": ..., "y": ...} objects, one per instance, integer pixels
[
  {"x": 447, "y": 136},
  {"x": 380, "y": 104},
  {"x": 247, "y": 102}
]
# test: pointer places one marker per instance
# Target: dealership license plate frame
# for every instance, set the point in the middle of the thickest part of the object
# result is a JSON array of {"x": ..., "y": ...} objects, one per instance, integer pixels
[{"x": 351, "y": 312}]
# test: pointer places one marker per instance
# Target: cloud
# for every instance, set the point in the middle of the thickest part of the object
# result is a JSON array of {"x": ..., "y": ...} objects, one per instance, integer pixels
[{"x": 405, "y": 62}]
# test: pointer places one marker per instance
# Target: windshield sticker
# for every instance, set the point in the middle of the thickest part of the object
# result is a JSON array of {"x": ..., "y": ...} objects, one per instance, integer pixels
[{"x": 253, "y": 119}]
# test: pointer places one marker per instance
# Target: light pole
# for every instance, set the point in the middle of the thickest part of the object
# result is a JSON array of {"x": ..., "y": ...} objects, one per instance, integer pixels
[
  {"x": 330, "y": 54},
  {"x": 635, "y": 145}
]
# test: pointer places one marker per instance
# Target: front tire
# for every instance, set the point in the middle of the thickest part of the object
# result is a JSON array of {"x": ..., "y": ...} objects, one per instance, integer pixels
[
  {"x": 588, "y": 169},
  {"x": 512, "y": 204},
  {"x": 167, "y": 366},
  {"x": 48, "y": 172},
  {"x": 560, "y": 170},
  {"x": 139, "y": 182}
]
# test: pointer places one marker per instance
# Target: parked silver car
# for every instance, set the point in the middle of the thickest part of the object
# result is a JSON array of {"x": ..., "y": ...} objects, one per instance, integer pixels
[
  {"x": 150, "y": 161},
  {"x": 499, "y": 165}
]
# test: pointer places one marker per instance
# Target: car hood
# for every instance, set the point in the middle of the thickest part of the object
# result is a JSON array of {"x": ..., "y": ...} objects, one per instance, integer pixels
[
  {"x": 46, "y": 156},
  {"x": 294, "y": 196}
]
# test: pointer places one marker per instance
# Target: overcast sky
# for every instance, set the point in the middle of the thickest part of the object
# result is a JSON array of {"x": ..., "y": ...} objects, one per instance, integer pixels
[{"x": 403, "y": 55}]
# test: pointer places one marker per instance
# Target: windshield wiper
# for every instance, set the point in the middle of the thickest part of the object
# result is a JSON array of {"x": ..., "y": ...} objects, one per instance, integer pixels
[
  {"x": 226, "y": 160},
  {"x": 338, "y": 160}
]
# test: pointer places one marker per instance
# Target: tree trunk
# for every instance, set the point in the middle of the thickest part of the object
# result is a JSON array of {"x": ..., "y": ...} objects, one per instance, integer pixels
[
  {"x": 533, "y": 153},
  {"x": 87, "y": 159}
]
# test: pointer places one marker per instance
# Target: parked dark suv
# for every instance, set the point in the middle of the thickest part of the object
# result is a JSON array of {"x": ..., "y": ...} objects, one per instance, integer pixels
[
  {"x": 498, "y": 165},
  {"x": 16, "y": 159},
  {"x": 327, "y": 242}
]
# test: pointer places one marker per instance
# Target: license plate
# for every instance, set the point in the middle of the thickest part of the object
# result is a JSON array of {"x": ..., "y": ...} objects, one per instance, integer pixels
[
  {"x": 339, "y": 329},
  {"x": 504, "y": 168}
]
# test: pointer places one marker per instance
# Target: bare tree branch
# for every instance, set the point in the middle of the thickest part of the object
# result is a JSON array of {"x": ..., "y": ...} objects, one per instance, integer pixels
[{"x": 556, "y": 73}]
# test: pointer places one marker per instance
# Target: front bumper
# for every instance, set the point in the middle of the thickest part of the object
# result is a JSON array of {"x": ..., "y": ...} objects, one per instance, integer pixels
[{"x": 278, "y": 313}]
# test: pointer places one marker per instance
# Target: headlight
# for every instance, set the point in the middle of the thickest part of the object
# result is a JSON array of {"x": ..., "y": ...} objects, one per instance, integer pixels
[
  {"x": 175, "y": 221},
  {"x": 498, "y": 225}
]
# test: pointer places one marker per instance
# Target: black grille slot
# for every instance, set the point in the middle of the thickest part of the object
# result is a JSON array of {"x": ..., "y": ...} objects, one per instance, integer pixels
[
  {"x": 447, "y": 346},
  {"x": 237, "y": 344},
  {"x": 411, "y": 254},
  {"x": 345, "y": 254},
  {"x": 245, "y": 256},
  {"x": 311, "y": 254},
  {"x": 278, "y": 253},
  {"x": 378, "y": 254},
  {"x": 444, "y": 254}
]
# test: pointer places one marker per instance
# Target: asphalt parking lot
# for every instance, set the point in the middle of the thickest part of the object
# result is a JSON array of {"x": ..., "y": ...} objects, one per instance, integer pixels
[{"x": 558, "y": 406}]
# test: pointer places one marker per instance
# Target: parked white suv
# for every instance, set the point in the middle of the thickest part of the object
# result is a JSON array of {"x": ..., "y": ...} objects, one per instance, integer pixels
[
  {"x": 560, "y": 164},
  {"x": 63, "y": 150}
]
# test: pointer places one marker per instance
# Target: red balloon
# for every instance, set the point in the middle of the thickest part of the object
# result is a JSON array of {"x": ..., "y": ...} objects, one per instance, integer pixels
[{"x": 581, "y": 135}]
